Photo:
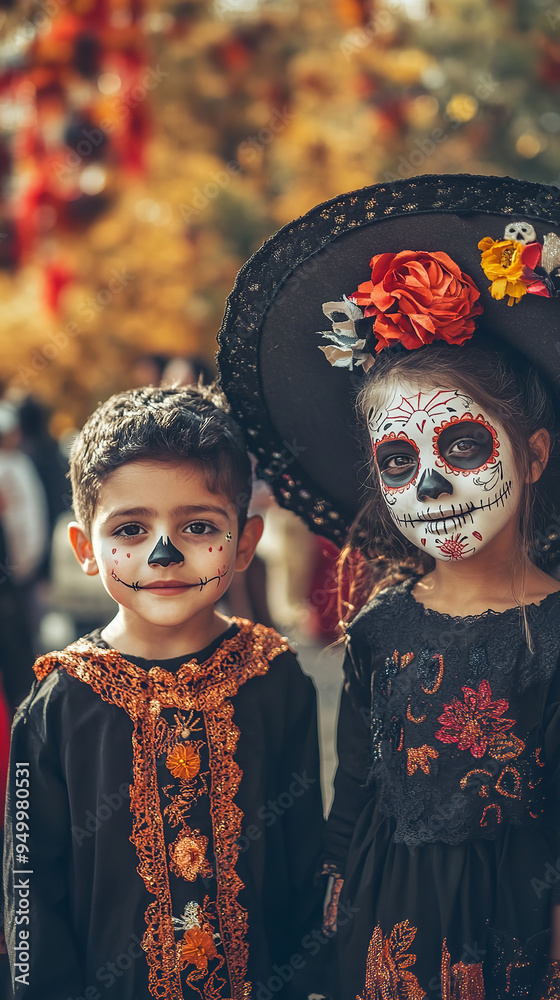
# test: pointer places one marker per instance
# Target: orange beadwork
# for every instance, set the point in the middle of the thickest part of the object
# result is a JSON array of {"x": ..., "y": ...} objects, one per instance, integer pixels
[
  {"x": 460, "y": 981},
  {"x": 445, "y": 972},
  {"x": 183, "y": 761},
  {"x": 413, "y": 718},
  {"x": 492, "y": 805},
  {"x": 188, "y": 857},
  {"x": 387, "y": 975},
  {"x": 439, "y": 677},
  {"x": 387, "y": 978},
  {"x": 516, "y": 794},
  {"x": 205, "y": 688},
  {"x": 418, "y": 757},
  {"x": 551, "y": 985},
  {"x": 477, "y": 771}
]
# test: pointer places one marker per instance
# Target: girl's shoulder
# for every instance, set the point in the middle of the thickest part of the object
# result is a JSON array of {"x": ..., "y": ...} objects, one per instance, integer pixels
[{"x": 390, "y": 606}]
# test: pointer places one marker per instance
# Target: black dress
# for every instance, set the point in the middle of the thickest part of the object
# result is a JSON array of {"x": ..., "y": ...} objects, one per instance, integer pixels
[
  {"x": 446, "y": 812},
  {"x": 174, "y": 824}
]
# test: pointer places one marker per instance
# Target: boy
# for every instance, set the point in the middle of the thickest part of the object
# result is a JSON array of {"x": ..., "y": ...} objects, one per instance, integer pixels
[{"x": 164, "y": 806}]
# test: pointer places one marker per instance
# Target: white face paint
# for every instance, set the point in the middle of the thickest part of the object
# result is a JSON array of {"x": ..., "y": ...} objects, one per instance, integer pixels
[{"x": 446, "y": 469}]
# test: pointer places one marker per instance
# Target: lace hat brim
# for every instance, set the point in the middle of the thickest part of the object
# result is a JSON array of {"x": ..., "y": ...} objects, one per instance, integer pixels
[{"x": 296, "y": 409}]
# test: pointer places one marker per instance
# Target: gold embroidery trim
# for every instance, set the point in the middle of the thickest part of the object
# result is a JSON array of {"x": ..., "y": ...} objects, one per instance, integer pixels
[{"x": 205, "y": 688}]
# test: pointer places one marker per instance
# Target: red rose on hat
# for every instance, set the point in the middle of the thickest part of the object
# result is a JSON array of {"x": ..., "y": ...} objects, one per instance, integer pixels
[{"x": 418, "y": 297}]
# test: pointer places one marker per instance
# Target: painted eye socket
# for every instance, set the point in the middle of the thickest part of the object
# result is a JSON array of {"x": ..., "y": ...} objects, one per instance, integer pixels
[
  {"x": 130, "y": 531},
  {"x": 465, "y": 445},
  {"x": 397, "y": 462}
]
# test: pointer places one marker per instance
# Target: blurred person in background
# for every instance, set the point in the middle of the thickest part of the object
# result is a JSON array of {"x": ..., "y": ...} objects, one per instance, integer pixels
[
  {"x": 186, "y": 371},
  {"x": 25, "y": 525},
  {"x": 50, "y": 464}
]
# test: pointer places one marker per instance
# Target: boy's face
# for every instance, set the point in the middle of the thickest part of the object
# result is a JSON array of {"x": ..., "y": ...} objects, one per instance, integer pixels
[{"x": 165, "y": 546}]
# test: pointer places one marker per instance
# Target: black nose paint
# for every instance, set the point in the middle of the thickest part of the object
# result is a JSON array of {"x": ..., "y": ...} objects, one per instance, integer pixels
[
  {"x": 432, "y": 485},
  {"x": 165, "y": 553}
]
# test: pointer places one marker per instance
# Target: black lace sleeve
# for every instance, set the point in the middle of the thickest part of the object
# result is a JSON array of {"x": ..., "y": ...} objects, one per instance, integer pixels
[{"x": 353, "y": 743}]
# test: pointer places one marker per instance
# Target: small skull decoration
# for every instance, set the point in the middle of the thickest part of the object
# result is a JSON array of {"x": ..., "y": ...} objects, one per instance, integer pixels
[{"x": 520, "y": 232}]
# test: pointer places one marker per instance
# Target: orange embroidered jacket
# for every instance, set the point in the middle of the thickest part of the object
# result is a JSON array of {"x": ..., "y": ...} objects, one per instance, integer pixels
[{"x": 174, "y": 819}]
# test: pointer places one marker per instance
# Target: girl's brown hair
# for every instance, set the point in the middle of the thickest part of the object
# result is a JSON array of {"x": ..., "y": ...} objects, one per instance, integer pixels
[{"x": 506, "y": 386}]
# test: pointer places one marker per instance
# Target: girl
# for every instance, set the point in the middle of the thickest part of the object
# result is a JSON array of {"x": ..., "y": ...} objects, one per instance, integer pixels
[{"x": 442, "y": 845}]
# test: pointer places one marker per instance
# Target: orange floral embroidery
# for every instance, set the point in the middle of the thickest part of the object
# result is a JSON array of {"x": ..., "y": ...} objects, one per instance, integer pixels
[
  {"x": 468, "y": 982},
  {"x": 478, "y": 772},
  {"x": 439, "y": 677},
  {"x": 413, "y": 718},
  {"x": 205, "y": 688},
  {"x": 183, "y": 761},
  {"x": 387, "y": 976},
  {"x": 188, "y": 857},
  {"x": 418, "y": 757},
  {"x": 197, "y": 947},
  {"x": 460, "y": 981},
  {"x": 492, "y": 805},
  {"x": 509, "y": 775},
  {"x": 475, "y": 725},
  {"x": 551, "y": 985}
]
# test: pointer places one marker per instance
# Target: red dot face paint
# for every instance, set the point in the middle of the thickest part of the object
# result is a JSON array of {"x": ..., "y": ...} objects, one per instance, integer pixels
[
  {"x": 128, "y": 555},
  {"x": 220, "y": 549},
  {"x": 477, "y": 534},
  {"x": 210, "y": 549},
  {"x": 113, "y": 551}
]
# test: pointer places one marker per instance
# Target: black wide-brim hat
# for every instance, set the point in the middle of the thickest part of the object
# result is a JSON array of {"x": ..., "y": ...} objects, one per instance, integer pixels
[{"x": 297, "y": 410}]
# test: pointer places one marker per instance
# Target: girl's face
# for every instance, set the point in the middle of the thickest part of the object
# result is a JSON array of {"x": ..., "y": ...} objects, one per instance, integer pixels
[{"x": 446, "y": 469}]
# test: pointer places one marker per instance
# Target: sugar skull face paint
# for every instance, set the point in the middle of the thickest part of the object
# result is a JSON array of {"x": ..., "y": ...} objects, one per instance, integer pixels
[
  {"x": 160, "y": 560},
  {"x": 446, "y": 469}
]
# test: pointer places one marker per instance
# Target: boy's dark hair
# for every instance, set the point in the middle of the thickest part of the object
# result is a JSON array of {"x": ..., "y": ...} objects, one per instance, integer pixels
[{"x": 162, "y": 424}]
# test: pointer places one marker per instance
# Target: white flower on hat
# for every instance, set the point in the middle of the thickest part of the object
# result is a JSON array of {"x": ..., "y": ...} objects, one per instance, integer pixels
[{"x": 349, "y": 350}]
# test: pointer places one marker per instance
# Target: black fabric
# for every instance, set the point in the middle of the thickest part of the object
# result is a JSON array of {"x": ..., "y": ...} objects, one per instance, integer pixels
[
  {"x": 87, "y": 899},
  {"x": 296, "y": 409},
  {"x": 419, "y": 846}
]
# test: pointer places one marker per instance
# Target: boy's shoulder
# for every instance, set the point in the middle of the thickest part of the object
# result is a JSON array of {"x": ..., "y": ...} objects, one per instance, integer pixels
[
  {"x": 259, "y": 653},
  {"x": 54, "y": 692}
]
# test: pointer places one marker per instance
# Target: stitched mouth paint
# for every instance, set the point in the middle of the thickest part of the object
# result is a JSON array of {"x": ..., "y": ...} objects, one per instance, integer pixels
[{"x": 137, "y": 586}]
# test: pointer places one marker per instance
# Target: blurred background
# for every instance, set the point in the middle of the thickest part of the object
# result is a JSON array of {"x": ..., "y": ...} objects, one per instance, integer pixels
[{"x": 147, "y": 147}]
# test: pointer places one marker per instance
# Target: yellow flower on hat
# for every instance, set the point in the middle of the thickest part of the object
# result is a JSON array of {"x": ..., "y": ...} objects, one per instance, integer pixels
[{"x": 509, "y": 266}]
